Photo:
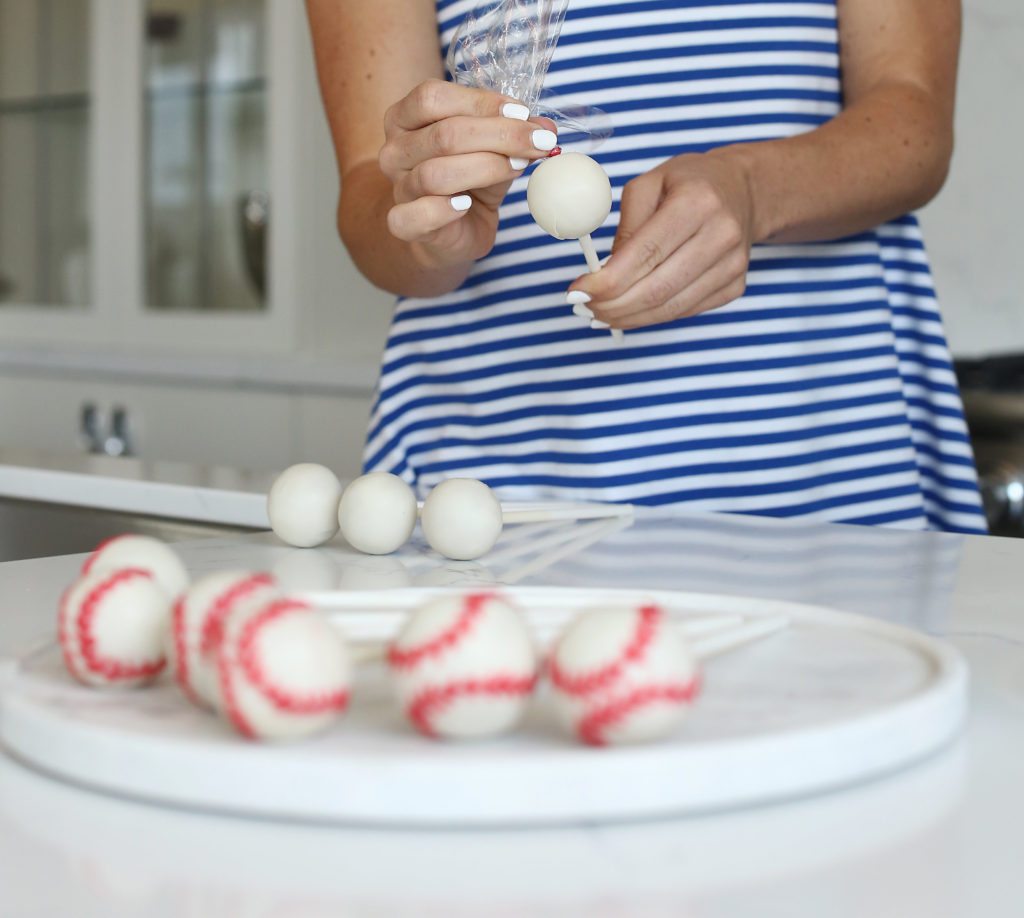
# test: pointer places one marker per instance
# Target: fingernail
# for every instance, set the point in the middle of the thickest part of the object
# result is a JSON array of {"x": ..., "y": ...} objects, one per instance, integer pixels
[
  {"x": 584, "y": 312},
  {"x": 543, "y": 139},
  {"x": 518, "y": 163},
  {"x": 461, "y": 201},
  {"x": 515, "y": 110},
  {"x": 597, "y": 323},
  {"x": 577, "y": 296}
]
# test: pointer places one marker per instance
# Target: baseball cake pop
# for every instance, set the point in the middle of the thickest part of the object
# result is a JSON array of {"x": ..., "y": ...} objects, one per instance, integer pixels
[
  {"x": 144, "y": 552},
  {"x": 464, "y": 666}
]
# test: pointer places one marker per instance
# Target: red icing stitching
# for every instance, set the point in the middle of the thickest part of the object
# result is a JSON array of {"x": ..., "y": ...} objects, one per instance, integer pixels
[
  {"x": 213, "y": 625},
  {"x": 648, "y": 620},
  {"x": 472, "y": 609},
  {"x": 94, "y": 557},
  {"x": 109, "y": 668},
  {"x": 181, "y": 673},
  {"x": 282, "y": 699},
  {"x": 594, "y": 724},
  {"x": 428, "y": 703},
  {"x": 64, "y": 635},
  {"x": 230, "y": 699}
]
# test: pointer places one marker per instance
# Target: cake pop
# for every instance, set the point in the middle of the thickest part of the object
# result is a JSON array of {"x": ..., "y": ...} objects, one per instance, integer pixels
[
  {"x": 302, "y": 505},
  {"x": 461, "y": 518},
  {"x": 377, "y": 513},
  {"x": 139, "y": 551}
]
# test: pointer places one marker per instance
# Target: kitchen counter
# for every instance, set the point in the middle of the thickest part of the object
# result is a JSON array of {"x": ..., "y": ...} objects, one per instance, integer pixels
[{"x": 944, "y": 837}]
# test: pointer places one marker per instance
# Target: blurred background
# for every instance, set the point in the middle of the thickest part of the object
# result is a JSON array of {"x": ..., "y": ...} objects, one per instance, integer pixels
[{"x": 172, "y": 287}]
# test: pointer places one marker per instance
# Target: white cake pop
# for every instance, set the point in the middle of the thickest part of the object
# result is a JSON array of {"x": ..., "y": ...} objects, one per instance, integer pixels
[
  {"x": 145, "y": 552},
  {"x": 284, "y": 671},
  {"x": 569, "y": 195},
  {"x": 621, "y": 674},
  {"x": 302, "y": 504},
  {"x": 461, "y": 518},
  {"x": 112, "y": 627},
  {"x": 464, "y": 666},
  {"x": 377, "y": 513},
  {"x": 197, "y": 620}
]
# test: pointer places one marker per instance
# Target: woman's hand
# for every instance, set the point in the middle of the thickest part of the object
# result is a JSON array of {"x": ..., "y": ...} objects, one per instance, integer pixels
[
  {"x": 682, "y": 246},
  {"x": 451, "y": 153}
]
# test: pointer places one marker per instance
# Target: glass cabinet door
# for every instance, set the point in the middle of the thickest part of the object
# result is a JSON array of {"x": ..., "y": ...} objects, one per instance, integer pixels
[
  {"x": 44, "y": 152},
  {"x": 205, "y": 203}
]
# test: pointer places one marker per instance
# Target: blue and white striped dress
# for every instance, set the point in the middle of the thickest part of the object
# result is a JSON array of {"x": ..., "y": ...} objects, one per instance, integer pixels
[{"x": 826, "y": 391}]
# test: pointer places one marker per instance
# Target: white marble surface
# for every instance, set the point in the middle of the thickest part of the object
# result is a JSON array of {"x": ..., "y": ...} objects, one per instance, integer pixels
[
  {"x": 176, "y": 490},
  {"x": 940, "y": 839}
]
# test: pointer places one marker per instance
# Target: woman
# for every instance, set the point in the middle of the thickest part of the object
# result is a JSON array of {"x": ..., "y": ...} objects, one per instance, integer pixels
[{"x": 783, "y": 350}]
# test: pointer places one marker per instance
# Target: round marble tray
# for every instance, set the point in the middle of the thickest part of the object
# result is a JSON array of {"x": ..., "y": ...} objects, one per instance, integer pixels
[{"x": 834, "y": 699}]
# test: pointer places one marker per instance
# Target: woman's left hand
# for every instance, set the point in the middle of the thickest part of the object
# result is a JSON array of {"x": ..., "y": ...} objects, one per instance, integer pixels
[{"x": 682, "y": 246}]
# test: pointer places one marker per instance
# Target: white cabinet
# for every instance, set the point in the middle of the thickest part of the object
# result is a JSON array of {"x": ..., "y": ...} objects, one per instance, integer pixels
[
  {"x": 262, "y": 431},
  {"x": 123, "y": 249}
]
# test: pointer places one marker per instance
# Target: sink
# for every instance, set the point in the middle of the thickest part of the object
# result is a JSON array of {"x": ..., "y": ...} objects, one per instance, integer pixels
[{"x": 30, "y": 529}]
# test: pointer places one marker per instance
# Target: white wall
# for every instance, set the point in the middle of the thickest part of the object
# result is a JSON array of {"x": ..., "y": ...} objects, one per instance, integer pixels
[{"x": 973, "y": 229}]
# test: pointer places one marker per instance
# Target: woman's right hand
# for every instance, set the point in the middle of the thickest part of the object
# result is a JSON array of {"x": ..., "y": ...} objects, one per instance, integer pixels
[{"x": 451, "y": 153}]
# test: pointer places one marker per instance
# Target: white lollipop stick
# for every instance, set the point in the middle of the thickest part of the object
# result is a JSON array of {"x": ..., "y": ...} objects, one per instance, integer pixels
[
  {"x": 724, "y": 641},
  {"x": 540, "y": 512},
  {"x": 369, "y": 638},
  {"x": 590, "y": 253},
  {"x": 586, "y": 535}
]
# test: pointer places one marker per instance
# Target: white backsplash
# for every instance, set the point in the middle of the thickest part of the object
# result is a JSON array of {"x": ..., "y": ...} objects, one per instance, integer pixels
[{"x": 973, "y": 229}]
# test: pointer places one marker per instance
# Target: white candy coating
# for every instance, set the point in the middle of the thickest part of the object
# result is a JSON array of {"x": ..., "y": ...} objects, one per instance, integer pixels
[
  {"x": 461, "y": 518},
  {"x": 145, "y": 552},
  {"x": 377, "y": 513},
  {"x": 302, "y": 504},
  {"x": 464, "y": 666},
  {"x": 284, "y": 671},
  {"x": 112, "y": 627},
  {"x": 569, "y": 195},
  {"x": 621, "y": 674},
  {"x": 197, "y": 620}
]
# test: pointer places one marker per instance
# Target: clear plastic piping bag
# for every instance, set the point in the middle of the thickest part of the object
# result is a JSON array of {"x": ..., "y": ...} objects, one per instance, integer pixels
[{"x": 506, "y": 46}]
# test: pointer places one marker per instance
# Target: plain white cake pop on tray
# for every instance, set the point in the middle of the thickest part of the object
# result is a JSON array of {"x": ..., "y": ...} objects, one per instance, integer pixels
[
  {"x": 461, "y": 518},
  {"x": 302, "y": 505},
  {"x": 377, "y": 513},
  {"x": 569, "y": 195}
]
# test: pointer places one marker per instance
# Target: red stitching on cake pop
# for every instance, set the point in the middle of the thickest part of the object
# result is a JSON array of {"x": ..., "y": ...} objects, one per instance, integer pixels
[
  {"x": 113, "y": 670},
  {"x": 649, "y": 619},
  {"x": 64, "y": 635},
  {"x": 594, "y": 724},
  {"x": 472, "y": 609},
  {"x": 433, "y": 699},
  {"x": 252, "y": 665},
  {"x": 212, "y": 627},
  {"x": 94, "y": 557}
]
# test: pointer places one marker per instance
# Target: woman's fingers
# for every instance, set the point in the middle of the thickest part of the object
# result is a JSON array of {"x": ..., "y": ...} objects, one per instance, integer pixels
[
  {"x": 522, "y": 140},
  {"x": 683, "y": 284},
  {"x": 448, "y": 175},
  {"x": 435, "y": 100},
  {"x": 419, "y": 218}
]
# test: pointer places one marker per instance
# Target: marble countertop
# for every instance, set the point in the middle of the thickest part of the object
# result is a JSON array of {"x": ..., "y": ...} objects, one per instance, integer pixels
[
  {"x": 176, "y": 490},
  {"x": 942, "y": 838}
]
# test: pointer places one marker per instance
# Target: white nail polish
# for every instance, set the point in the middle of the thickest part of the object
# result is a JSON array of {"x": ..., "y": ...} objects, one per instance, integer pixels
[
  {"x": 598, "y": 324},
  {"x": 577, "y": 296},
  {"x": 584, "y": 312},
  {"x": 544, "y": 140},
  {"x": 515, "y": 110},
  {"x": 518, "y": 163},
  {"x": 461, "y": 201}
]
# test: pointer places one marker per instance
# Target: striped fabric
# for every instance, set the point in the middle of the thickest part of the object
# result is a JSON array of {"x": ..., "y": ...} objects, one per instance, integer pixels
[{"x": 826, "y": 391}]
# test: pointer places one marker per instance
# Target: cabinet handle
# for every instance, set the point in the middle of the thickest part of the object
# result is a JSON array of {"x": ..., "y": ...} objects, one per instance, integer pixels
[{"x": 90, "y": 438}]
